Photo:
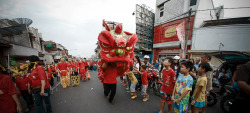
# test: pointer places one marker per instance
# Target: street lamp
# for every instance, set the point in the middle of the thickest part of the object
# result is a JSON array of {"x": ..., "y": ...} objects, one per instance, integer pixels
[{"x": 133, "y": 13}]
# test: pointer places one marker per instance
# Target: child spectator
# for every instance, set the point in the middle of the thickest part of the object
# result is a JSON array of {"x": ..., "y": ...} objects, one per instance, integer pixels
[
  {"x": 182, "y": 88},
  {"x": 134, "y": 82},
  {"x": 144, "y": 80},
  {"x": 198, "y": 98},
  {"x": 169, "y": 78},
  {"x": 23, "y": 84}
]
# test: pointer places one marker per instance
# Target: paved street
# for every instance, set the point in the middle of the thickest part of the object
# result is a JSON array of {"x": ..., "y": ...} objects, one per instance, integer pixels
[{"x": 82, "y": 99}]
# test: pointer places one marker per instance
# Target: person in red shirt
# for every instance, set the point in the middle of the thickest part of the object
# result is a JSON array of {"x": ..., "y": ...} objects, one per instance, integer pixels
[
  {"x": 50, "y": 76},
  {"x": 144, "y": 80},
  {"x": 75, "y": 70},
  {"x": 82, "y": 70},
  {"x": 86, "y": 69},
  {"x": 55, "y": 73},
  {"x": 169, "y": 78},
  {"x": 62, "y": 68},
  {"x": 9, "y": 102},
  {"x": 109, "y": 82},
  {"x": 94, "y": 65},
  {"x": 39, "y": 85},
  {"x": 23, "y": 84}
]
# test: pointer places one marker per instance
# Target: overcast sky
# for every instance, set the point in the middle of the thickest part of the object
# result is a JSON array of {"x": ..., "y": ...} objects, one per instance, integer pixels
[{"x": 77, "y": 23}]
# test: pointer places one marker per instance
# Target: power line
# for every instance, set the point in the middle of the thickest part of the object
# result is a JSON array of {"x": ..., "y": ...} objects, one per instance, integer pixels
[{"x": 224, "y": 8}]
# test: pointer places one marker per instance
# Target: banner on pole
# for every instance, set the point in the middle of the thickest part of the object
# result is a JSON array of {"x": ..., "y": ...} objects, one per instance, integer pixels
[
  {"x": 181, "y": 36},
  {"x": 12, "y": 61}
]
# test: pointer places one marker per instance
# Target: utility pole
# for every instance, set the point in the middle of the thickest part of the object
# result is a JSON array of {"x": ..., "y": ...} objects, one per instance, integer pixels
[{"x": 189, "y": 16}]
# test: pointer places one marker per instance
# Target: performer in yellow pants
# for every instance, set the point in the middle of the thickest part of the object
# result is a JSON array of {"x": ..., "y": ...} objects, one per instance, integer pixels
[
  {"x": 75, "y": 79},
  {"x": 63, "y": 81},
  {"x": 63, "y": 70}
]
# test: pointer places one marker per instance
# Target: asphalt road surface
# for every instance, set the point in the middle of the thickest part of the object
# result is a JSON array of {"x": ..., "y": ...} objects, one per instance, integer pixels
[{"x": 88, "y": 97}]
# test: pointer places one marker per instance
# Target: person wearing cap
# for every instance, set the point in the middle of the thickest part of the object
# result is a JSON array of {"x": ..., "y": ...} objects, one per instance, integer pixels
[
  {"x": 176, "y": 66},
  {"x": 9, "y": 102},
  {"x": 62, "y": 68},
  {"x": 39, "y": 85}
]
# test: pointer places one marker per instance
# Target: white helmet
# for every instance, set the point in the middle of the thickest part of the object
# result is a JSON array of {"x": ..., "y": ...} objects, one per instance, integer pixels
[
  {"x": 176, "y": 57},
  {"x": 146, "y": 56}
]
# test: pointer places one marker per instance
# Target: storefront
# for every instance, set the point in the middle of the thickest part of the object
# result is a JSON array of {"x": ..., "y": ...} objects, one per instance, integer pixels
[{"x": 169, "y": 38}]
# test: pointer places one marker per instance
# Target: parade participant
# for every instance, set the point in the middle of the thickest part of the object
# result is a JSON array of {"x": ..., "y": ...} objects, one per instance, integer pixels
[
  {"x": 86, "y": 68},
  {"x": 117, "y": 51},
  {"x": 54, "y": 70},
  {"x": 182, "y": 88},
  {"x": 109, "y": 82},
  {"x": 198, "y": 98},
  {"x": 169, "y": 78},
  {"x": 9, "y": 102},
  {"x": 94, "y": 65},
  {"x": 75, "y": 70},
  {"x": 23, "y": 85},
  {"x": 39, "y": 85},
  {"x": 50, "y": 78},
  {"x": 69, "y": 70},
  {"x": 62, "y": 68},
  {"x": 82, "y": 70},
  {"x": 144, "y": 80}
]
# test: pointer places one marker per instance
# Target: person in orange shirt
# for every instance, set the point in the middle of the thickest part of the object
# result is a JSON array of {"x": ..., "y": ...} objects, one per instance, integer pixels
[
  {"x": 82, "y": 70},
  {"x": 75, "y": 71},
  {"x": 62, "y": 68}
]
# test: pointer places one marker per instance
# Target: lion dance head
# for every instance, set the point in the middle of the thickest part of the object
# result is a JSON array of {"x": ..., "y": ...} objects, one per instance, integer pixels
[{"x": 117, "y": 46}]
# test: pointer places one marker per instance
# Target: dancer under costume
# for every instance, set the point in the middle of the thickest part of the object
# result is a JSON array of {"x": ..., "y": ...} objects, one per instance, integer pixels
[{"x": 117, "y": 51}]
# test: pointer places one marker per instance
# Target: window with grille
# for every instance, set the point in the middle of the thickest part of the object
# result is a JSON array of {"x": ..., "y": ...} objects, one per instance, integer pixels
[
  {"x": 193, "y": 2},
  {"x": 161, "y": 11}
]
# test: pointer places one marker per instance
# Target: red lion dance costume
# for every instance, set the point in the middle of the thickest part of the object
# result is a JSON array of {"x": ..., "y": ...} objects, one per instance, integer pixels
[{"x": 116, "y": 46}]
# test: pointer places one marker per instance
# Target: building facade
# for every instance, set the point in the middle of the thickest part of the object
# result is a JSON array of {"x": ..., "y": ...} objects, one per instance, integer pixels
[
  {"x": 174, "y": 19},
  {"x": 19, "y": 41}
]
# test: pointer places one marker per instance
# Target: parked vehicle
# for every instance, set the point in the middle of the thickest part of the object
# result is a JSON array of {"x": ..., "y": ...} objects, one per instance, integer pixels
[
  {"x": 212, "y": 97},
  {"x": 228, "y": 99},
  {"x": 154, "y": 81},
  {"x": 230, "y": 60}
]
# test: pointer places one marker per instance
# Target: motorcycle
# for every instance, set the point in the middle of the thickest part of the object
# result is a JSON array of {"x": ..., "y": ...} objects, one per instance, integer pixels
[
  {"x": 228, "y": 100},
  {"x": 154, "y": 81},
  {"x": 212, "y": 98}
]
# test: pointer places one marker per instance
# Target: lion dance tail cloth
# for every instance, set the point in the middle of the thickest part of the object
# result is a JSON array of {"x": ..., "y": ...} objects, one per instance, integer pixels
[{"x": 116, "y": 46}]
